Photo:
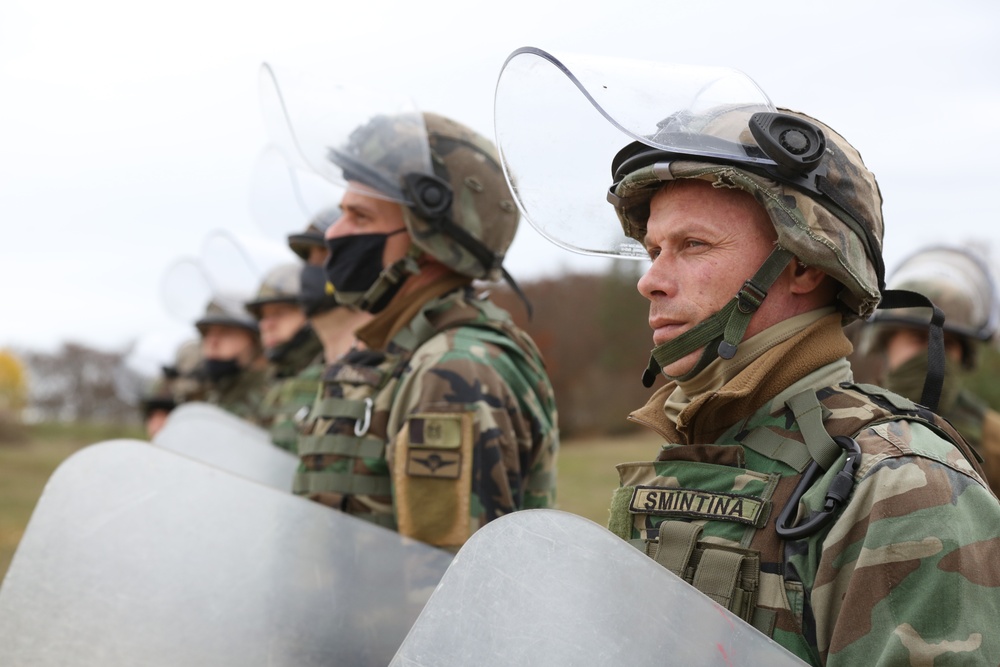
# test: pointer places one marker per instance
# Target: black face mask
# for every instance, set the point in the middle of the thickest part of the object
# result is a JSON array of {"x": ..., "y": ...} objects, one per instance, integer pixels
[
  {"x": 217, "y": 369},
  {"x": 313, "y": 296},
  {"x": 355, "y": 263}
]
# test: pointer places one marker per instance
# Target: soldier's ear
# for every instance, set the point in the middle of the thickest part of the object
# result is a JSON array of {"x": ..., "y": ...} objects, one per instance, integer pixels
[{"x": 805, "y": 279}]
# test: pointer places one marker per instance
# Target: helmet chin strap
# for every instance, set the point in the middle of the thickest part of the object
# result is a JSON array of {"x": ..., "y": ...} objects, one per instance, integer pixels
[
  {"x": 727, "y": 326},
  {"x": 389, "y": 282}
]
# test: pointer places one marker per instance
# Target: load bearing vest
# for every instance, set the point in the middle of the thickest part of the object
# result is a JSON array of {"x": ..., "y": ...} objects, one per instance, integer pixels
[{"x": 712, "y": 514}]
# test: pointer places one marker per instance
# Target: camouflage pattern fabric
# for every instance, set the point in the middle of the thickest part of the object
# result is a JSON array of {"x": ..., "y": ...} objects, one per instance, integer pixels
[
  {"x": 904, "y": 573},
  {"x": 240, "y": 394},
  {"x": 288, "y": 400},
  {"x": 460, "y": 428},
  {"x": 970, "y": 415}
]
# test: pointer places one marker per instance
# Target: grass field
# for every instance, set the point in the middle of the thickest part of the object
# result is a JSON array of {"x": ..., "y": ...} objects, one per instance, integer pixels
[{"x": 587, "y": 474}]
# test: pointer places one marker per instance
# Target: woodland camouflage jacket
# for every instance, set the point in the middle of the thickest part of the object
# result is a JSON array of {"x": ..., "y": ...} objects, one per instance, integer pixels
[
  {"x": 460, "y": 429},
  {"x": 904, "y": 574}
]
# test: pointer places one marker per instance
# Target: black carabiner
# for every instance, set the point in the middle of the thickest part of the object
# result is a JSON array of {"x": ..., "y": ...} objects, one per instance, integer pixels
[{"x": 836, "y": 495}]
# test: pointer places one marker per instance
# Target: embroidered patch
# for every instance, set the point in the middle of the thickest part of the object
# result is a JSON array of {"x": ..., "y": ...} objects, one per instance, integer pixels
[
  {"x": 437, "y": 431},
  {"x": 439, "y": 463},
  {"x": 695, "y": 503}
]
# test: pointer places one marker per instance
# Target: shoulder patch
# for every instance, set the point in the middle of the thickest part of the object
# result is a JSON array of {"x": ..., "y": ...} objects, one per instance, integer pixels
[{"x": 441, "y": 431}]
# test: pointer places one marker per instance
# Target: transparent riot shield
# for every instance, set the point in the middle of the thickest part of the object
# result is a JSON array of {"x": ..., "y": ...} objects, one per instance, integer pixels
[
  {"x": 211, "y": 435},
  {"x": 543, "y": 587},
  {"x": 138, "y": 556}
]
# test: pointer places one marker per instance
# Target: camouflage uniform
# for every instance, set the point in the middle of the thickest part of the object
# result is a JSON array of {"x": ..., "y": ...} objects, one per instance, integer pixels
[
  {"x": 240, "y": 394},
  {"x": 451, "y": 426},
  {"x": 293, "y": 387},
  {"x": 978, "y": 423}
]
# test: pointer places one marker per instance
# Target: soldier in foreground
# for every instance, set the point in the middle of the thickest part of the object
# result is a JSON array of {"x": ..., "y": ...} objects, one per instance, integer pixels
[
  {"x": 233, "y": 364},
  {"x": 444, "y": 418},
  {"x": 849, "y": 524},
  {"x": 291, "y": 346},
  {"x": 958, "y": 283}
]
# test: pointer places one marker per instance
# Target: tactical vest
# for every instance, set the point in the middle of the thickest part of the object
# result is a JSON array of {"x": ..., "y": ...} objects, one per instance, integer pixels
[
  {"x": 343, "y": 446},
  {"x": 722, "y": 515},
  {"x": 290, "y": 399}
]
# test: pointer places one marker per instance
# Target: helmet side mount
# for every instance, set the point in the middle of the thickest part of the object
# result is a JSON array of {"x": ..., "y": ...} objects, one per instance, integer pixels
[{"x": 796, "y": 145}]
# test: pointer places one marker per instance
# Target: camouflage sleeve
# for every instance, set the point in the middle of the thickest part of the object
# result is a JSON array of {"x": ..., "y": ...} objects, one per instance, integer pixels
[
  {"x": 908, "y": 574},
  {"x": 468, "y": 442}
]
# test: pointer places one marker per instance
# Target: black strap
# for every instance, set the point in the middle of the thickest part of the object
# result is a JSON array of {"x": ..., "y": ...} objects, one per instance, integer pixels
[{"x": 892, "y": 299}]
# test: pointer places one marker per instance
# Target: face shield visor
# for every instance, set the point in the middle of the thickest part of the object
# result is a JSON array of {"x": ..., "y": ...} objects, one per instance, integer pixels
[
  {"x": 561, "y": 120},
  {"x": 358, "y": 139},
  {"x": 285, "y": 200}
]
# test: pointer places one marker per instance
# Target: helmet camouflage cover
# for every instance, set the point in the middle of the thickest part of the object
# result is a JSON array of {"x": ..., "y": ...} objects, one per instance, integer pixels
[
  {"x": 379, "y": 155},
  {"x": 301, "y": 243},
  {"x": 280, "y": 285},
  {"x": 840, "y": 233},
  {"x": 958, "y": 282},
  {"x": 226, "y": 311}
]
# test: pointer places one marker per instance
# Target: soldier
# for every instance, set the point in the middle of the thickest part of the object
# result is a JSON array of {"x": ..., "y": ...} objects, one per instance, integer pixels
[
  {"x": 309, "y": 244},
  {"x": 960, "y": 284},
  {"x": 291, "y": 346},
  {"x": 177, "y": 383},
  {"x": 443, "y": 418},
  {"x": 233, "y": 365},
  {"x": 849, "y": 524}
]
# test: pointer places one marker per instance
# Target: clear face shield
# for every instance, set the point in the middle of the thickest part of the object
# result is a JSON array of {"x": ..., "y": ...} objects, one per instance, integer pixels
[
  {"x": 286, "y": 199},
  {"x": 561, "y": 121},
  {"x": 359, "y": 139}
]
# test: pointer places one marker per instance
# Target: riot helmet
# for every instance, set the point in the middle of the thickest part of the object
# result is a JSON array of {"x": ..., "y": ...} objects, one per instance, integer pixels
[
  {"x": 447, "y": 178},
  {"x": 280, "y": 285},
  {"x": 303, "y": 242},
  {"x": 559, "y": 120},
  {"x": 226, "y": 311},
  {"x": 958, "y": 282}
]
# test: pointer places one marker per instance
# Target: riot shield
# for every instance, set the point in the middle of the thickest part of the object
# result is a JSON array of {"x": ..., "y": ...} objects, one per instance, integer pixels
[
  {"x": 223, "y": 440},
  {"x": 138, "y": 556},
  {"x": 542, "y": 587}
]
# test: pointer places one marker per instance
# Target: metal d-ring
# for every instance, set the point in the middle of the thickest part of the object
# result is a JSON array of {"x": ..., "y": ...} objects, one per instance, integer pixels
[{"x": 361, "y": 426}]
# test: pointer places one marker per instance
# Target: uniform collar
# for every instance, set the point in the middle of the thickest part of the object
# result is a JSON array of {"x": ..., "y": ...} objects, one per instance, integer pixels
[{"x": 712, "y": 413}]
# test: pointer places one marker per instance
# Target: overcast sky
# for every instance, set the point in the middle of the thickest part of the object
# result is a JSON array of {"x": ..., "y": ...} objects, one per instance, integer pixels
[{"x": 129, "y": 130}]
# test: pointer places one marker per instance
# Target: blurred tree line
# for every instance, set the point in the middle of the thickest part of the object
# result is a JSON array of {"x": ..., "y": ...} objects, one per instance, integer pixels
[
  {"x": 593, "y": 333},
  {"x": 591, "y": 328},
  {"x": 78, "y": 383}
]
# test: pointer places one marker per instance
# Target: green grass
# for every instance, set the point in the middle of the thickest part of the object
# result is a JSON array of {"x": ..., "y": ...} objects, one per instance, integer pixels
[
  {"x": 26, "y": 462},
  {"x": 587, "y": 475}
]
